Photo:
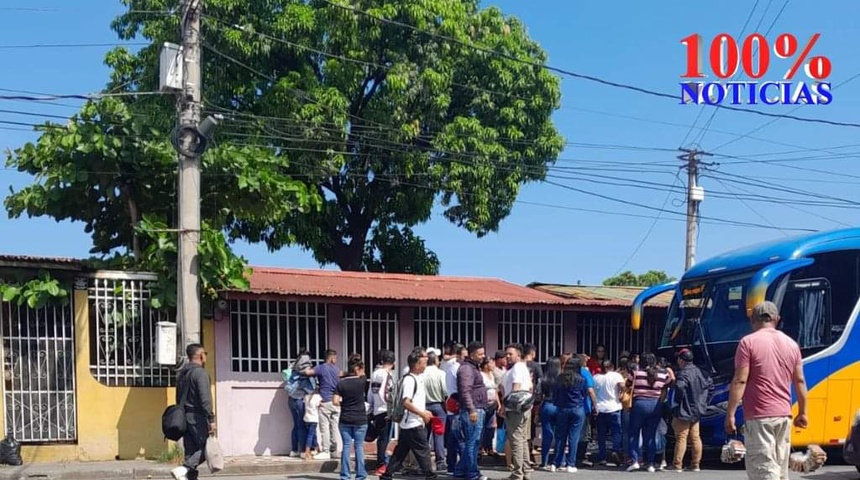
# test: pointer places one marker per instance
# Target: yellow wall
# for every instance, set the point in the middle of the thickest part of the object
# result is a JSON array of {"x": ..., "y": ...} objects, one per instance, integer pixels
[{"x": 113, "y": 422}]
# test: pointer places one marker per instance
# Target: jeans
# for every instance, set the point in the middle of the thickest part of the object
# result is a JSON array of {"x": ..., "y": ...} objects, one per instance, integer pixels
[
  {"x": 299, "y": 435},
  {"x": 311, "y": 438},
  {"x": 489, "y": 428},
  {"x": 469, "y": 442},
  {"x": 568, "y": 429},
  {"x": 548, "y": 417},
  {"x": 437, "y": 442},
  {"x": 451, "y": 443},
  {"x": 644, "y": 419},
  {"x": 384, "y": 430},
  {"x": 352, "y": 434},
  {"x": 608, "y": 423}
]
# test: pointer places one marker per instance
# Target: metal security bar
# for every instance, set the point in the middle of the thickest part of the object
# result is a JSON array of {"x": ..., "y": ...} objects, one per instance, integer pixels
[
  {"x": 613, "y": 331},
  {"x": 542, "y": 328},
  {"x": 367, "y": 331},
  {"x": 436, "y": 325},
  {"x": 267, "y": 335},
  {"x": 122, "y": 332},
  {"x": 39, "y": 371}
]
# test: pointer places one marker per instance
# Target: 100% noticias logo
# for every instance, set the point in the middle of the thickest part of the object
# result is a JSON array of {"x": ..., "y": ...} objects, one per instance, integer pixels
[{"x": 725, "y": 58}]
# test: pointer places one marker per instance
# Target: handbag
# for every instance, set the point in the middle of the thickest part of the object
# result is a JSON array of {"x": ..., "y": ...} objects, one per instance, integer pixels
[{"x": 214, "y": 455}]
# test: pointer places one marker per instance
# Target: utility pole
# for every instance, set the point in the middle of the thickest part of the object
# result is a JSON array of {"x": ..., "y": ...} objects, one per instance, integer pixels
[
  {"x": 190, "y": 146},
  {"x": 695, "y": 194}
]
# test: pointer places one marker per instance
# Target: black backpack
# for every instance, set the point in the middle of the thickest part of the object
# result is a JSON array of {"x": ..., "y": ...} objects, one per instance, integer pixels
[{"x": 173, "y": 424}]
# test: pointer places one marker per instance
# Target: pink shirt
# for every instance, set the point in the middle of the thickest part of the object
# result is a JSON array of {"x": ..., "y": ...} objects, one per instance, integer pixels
[{"x": 771, "y": 357}]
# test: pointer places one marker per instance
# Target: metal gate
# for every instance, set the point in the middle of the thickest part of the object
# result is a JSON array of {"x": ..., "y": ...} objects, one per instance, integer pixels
[
  {"x": 542, "y": 328},
  {"x": 613, "y": 331},
  {"x": 367, "y": 331},
  {"x": 39, "y": 373}
]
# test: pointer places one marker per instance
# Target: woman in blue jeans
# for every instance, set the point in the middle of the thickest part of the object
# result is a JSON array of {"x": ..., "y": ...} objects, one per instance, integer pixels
[
  {"x": 569, "y": 397},
  {"x": 648, "y": 384},
  {"x": 349, "y": 396},
  {"x": 548, "y": 411}
]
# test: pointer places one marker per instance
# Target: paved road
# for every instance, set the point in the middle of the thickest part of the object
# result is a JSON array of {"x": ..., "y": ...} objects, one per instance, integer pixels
[{"x": 836, "y": 472}]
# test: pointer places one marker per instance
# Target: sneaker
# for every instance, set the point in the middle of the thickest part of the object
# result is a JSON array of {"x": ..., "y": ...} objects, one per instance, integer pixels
[
  {"x": 322, "y": 456},
  {"x": 552, "y": 468},
  {"x": 571, "y": 469},
  {"x": 663, "y": 465},
  {"x": 633, "y": 467},
  {"x": 380, "y": 471},
  {"x": 651, "y": 469},
  {"x": 295, "y": 454},
  {"x": 695, "y": 469},
  {"x": 179, "y": 473},
  {"x": 679, "y": 470}
]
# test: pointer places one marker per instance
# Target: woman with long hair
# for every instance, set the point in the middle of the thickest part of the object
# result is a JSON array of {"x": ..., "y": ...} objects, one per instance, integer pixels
[
  {"x": 548, "y": 412},
  {"x": 489, "y": 431},
  {"x": 648, "y": 382},
  {"x": 569, "y": 398},
  {"x": 349, "y": 396}
]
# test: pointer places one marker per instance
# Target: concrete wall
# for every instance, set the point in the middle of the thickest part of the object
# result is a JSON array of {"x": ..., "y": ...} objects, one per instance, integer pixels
[{"x": 113, "y": 422}]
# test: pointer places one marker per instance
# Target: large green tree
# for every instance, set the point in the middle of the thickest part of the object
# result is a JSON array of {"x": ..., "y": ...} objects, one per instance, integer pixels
[
  {"x": 342, "y": 130},
  {"x": 647, "y": 279}
]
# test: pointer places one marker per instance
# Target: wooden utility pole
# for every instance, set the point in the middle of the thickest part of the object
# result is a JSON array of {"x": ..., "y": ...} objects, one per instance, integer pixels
[
  {"x": 695, "y": 194},
  {"x": 188, "y": 138}
]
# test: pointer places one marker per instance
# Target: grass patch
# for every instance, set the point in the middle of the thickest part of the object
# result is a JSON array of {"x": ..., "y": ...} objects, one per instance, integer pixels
[{"x": 172, "y": 455}]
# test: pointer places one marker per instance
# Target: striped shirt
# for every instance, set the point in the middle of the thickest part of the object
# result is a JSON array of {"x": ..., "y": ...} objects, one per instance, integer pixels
[{"x": 643, "y": 389}]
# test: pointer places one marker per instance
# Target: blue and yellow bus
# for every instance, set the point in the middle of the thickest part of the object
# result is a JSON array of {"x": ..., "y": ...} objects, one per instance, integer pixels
[{"x": 815, "y": 282}]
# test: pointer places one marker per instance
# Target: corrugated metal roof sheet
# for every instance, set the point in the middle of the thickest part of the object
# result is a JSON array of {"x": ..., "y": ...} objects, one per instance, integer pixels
[
  {"x": 396, "y": 287},
  {"x": 600, "y": 295},
  {"x": 25, "y": 260}
]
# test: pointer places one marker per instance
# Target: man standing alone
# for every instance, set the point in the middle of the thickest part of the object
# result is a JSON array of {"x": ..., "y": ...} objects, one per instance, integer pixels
[
  {"x": 192, "y": 384},
  {"x": 767, "y": 363},
  {"x": 691, "y": 402}
]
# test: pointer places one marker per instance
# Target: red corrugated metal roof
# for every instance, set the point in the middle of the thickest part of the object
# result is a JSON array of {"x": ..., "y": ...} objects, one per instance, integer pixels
[{"x": 395, "y": 287}]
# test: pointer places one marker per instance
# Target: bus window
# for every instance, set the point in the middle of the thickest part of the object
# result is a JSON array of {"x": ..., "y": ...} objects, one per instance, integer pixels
[{"x": 805, "y": 313}]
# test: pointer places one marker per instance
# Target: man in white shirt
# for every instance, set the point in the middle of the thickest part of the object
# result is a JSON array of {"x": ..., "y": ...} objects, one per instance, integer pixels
[
  {"x": 413, "y": 430},
  {"x": 608, "y": 387},
  {"x": 437, "y": 393},
  {"x": 381, "y": 384},
  {"x": 517, "y": 378}
]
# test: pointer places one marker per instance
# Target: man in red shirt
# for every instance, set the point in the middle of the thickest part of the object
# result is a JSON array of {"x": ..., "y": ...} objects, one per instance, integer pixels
[{"x": 767, "y": 363}]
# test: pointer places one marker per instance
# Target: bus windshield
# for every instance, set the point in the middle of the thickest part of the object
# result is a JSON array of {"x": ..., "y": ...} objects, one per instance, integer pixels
[{"x": 709, "y": 313}]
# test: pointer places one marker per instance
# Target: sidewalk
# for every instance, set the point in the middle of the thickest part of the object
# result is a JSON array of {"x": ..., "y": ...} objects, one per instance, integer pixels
[{"x": 136, "y": 469}]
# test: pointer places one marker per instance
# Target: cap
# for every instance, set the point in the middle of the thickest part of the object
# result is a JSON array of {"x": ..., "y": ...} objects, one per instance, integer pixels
[
  {"x": 499, "y": 354},
  {"x": 765, "y": 309},
  {"x": 435, "y": 351},
  {"x": 685, "y": 355}
]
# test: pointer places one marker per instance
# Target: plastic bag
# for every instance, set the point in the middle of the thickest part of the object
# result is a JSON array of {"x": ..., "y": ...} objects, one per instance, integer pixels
[
  {"x": 809, "y": 461},
  {"x": 214, "y": 455},
  {"x": 501, "y": 437},
  {"x": 10, "y": 451}
]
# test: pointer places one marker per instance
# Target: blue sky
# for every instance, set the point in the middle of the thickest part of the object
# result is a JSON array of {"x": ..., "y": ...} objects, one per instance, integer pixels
[{"x": 624, "y": 41}]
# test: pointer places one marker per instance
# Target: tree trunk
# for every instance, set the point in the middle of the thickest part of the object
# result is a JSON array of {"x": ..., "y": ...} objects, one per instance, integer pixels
[{"x": 134, "y": 217}]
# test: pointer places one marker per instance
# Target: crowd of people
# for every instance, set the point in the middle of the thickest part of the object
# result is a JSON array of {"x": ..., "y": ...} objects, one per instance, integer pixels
[
  {"x": 450, "y": 405},
  {"x": 460, "y": 404}
]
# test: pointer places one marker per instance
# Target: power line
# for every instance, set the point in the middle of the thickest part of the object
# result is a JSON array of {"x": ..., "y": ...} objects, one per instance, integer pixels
[
  {"x": 580, "y": 76},
  {"x": 71, "y": 45}
]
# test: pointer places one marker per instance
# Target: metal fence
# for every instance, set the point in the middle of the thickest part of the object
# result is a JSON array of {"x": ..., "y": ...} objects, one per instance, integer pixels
[
  {"x": 614, "y": 332},
  {"x": 39, "y": 371},
  {"x": 542, "y": 328},
  {"x": 122, "y": 331},
  {"x": 436, "y": 325},
  {"x": 267, "y": 335},
  {"x": 367, "y": 331}
]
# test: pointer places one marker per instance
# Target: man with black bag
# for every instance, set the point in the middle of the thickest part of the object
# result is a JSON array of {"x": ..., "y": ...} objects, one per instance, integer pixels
[{"x": 193, "y": 390}]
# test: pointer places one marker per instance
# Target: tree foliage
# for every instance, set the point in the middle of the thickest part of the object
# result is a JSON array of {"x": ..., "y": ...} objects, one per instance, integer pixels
[
  {"x": 647, "y": 279},
  {"x": 342, "y": 132}
]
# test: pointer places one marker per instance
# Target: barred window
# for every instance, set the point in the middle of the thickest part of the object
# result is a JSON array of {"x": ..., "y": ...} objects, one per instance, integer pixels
[
  {"x": 266, "y": 335},
  {"x": 614, "y": 332},
  {"x": 122, "y": 331},
  {"x": 543, "y": 328},
  {"x": 367, "y": 331},
  {"x": 436, "y": 325}
]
